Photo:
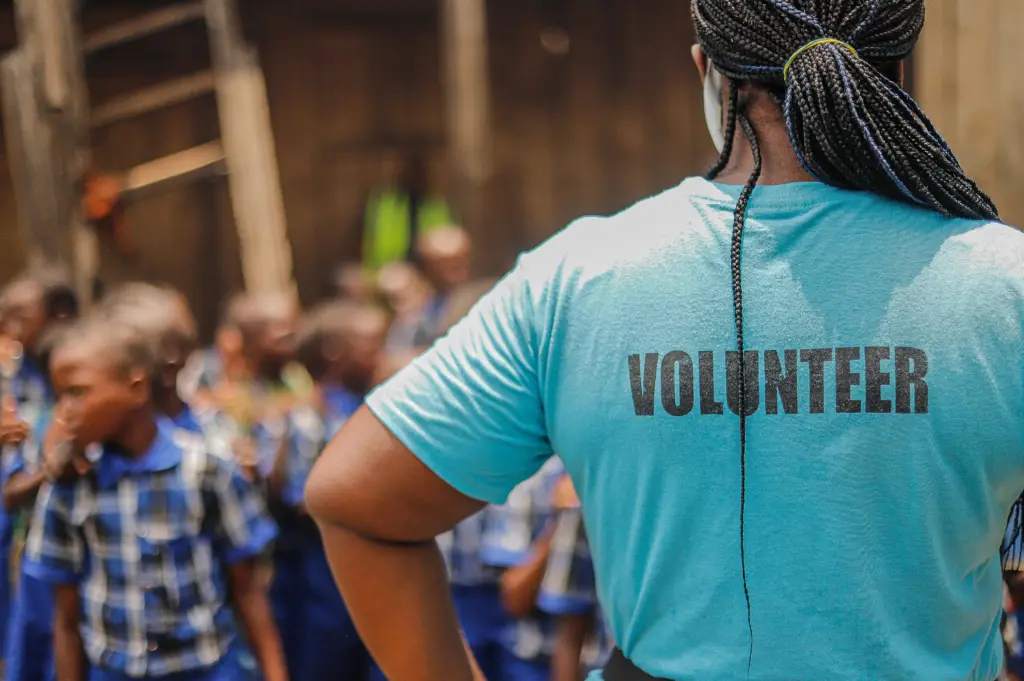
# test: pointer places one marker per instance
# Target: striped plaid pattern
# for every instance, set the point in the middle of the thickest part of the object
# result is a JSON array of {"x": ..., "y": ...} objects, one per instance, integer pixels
[
  {"x": 461, "y": 547},
  {"x": 309, "y": 427},
  {"x": 508, "y": 535},
  {"x": 148, "y": 541},
  {"x": 568, "y": 586}
]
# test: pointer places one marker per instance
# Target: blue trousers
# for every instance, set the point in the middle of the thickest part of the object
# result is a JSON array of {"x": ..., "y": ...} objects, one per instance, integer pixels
[
  {"x": 516, "y": 669},
  {"x": 5, "y": 586},
  {"x": 29, "y": 652},
  {"x": 286, "y": 602},
  {"x": 483, "y": 620},
  {"x": 331, "y": 648}
]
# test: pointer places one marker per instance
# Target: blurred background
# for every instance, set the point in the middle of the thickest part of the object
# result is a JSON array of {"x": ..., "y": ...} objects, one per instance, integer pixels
[{"x": 218, "y": 145}]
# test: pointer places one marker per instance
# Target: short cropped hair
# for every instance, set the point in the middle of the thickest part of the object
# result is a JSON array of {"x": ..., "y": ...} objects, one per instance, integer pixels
[
  {"x": 156, "y": 312},
  {"x": 120, "y": 345},
  {"x": 329, "y": 323},
  {"x": 250, "y": 313}
]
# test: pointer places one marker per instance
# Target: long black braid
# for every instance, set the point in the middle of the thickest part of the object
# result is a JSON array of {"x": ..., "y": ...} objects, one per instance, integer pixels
[{"x": 850, "y": 123}]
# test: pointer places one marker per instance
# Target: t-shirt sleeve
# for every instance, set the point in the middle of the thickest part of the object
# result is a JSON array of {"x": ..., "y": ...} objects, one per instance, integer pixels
[
  {"x": 471, "y": 407},
  {"x": 55, "y": 550}
]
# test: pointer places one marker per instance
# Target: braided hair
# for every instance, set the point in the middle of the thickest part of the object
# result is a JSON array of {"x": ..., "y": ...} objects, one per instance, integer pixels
[{"x": 832, "y": 67}]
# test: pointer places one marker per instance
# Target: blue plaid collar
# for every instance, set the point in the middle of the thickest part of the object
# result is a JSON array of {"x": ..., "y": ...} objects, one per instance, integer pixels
[{"x": 163, "y": 455}]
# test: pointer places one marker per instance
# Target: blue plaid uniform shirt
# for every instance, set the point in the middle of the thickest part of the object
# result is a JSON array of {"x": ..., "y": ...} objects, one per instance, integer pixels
[
  {"x": 31, "y": 388},
  {"x": 147, "y": 541},
  {"x": 309, "y": 429},
  {"x": 462, "y": 550},
  {"x": 510, "y": 531}
]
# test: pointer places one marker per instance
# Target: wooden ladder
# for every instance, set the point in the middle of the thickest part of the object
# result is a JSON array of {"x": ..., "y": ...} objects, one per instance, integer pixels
[{"x": 45, "y": 98}]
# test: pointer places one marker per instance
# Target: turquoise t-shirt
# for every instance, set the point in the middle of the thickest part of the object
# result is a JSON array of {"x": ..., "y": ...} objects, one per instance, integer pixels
[{"x": 883, "y": 458}]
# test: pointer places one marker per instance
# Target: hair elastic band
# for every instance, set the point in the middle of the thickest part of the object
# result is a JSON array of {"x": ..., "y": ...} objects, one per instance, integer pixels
[{"x": 815, "y": 43}]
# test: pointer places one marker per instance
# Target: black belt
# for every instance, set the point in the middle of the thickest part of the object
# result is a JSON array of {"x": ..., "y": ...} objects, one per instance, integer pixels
[{"x": 621, "y": 669}]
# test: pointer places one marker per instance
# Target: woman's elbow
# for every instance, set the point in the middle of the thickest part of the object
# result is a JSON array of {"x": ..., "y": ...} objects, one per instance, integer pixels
[
  {"x": 317, "y": 498},
  {"x": 326, "y": 496}
]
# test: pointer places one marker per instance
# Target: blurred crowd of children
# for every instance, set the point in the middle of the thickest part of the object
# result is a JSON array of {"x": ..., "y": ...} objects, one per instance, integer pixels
[{"x": 153, "y": 521}]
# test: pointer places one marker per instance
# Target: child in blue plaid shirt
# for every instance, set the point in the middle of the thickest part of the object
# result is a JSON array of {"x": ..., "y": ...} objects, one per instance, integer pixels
[
  {"x": 569, "y": 593},
  {"x": 340, "y": 346},
  {"x": 518, "y": 541},
  {"x": 162, "y": 314},
  {"x": 151, "y": 544},
  {"x": 36, "y": 304}
]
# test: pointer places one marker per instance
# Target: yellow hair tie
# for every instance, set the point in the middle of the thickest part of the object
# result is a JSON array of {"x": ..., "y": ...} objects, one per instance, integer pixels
[{"x": 815, "y": 43}]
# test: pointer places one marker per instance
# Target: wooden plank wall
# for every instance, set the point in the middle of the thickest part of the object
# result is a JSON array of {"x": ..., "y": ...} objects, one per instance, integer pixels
[
  {"x": 967, "y": 80},
  {"x": 355, "y": 85}
]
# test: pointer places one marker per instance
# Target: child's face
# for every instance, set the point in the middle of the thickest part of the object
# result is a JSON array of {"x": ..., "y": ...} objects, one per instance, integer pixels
[
  {"x": 24, "y": 315},
  {"x": 361, "y": 354},
  {"x": 275, "y": 342},
  {"x": 94, "y": 398},
  {"x": 178, "y": 353}
]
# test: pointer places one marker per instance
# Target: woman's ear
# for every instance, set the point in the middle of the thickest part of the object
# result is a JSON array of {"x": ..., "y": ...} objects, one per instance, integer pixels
[{"x": 700, "y": 60}]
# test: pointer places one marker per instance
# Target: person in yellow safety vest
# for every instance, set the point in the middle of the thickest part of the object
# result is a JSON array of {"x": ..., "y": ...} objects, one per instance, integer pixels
[{"x": 397, "y": 216}]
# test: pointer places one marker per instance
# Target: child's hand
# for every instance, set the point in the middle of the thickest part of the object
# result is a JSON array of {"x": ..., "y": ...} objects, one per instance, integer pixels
[
  {"x": 62, "y": 460},
  {"x": 563, "y": 497},
  {"x": 13, "y": 431}
]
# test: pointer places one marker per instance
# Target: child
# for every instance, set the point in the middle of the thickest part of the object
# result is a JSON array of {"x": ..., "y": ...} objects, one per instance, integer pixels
[
  {"x": 341, "y": 345},
  {"x": 29, "y": 648},
  {"x": 209, "y": 372},
  {"x": 257, "y": 408},
  {"x": 151, "y": 548},
  {"x": 569, "y": 594},
  {"x": 13, "y": 432},
  {"x": 162, "y": 315},
  {"x": 32, "y": 304},
  {"x": 518, "y": 541},
  {"x": 267, "y": 327},
  {"x": 37, "y": 305}
]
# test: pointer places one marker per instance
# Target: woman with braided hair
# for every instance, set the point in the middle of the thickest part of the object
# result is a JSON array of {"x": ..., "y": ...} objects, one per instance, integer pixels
[{"x": 789, "y": 395}]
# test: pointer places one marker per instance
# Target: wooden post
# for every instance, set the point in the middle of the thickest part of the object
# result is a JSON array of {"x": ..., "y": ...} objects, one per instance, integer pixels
[
  {"x": 250, "y": 155},
  {"x": 467, "y": 112},
  {"x": 45, "y": 99},
  {"x": 30, "y": 154}
]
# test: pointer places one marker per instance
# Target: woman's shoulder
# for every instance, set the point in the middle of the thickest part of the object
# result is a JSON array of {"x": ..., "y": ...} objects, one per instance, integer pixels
[{"x": 599, "y": 242}]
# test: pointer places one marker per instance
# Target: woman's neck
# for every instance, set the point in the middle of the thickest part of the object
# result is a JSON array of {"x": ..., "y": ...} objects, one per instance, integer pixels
[{"x": 779, "y": 164}]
